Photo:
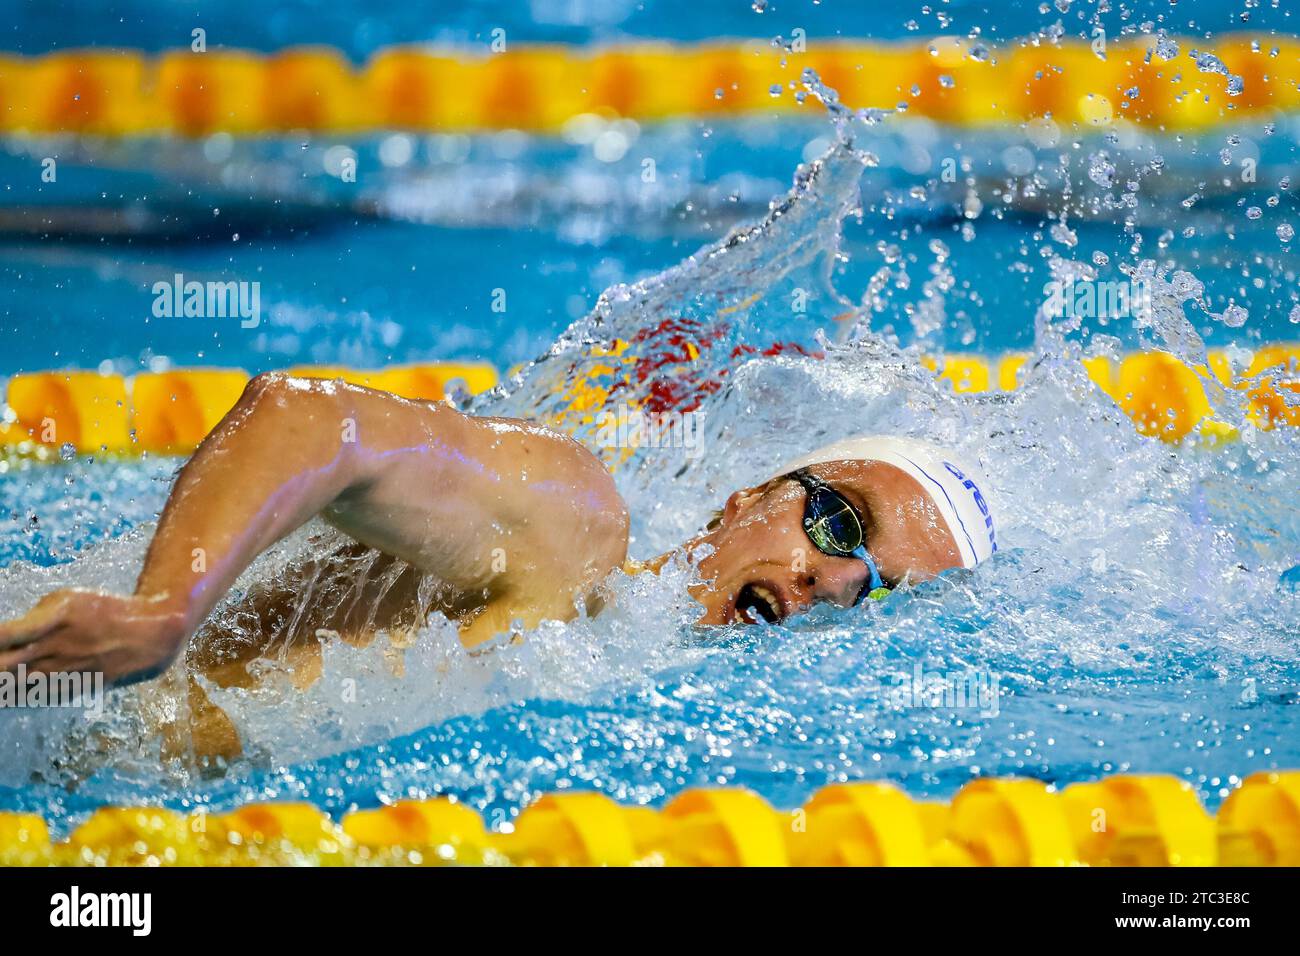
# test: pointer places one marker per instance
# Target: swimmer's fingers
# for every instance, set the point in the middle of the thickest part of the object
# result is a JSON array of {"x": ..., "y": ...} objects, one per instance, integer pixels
[
  {"x": 31, "y": 638},
  {"x": 59, "y": 649},
  {"x": 62, "y": 627},
  {"x": 41, "y": 621},
  {"x": 122, "y": 638},
  {"x": 9, "y": 660},
  {"x": 58, "y": 663}
]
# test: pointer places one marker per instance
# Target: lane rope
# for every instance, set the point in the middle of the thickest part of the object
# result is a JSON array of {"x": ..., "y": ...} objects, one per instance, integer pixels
[
  {"x": 538, "y": 88},
  {"x": 1122, "y": 820},
  {"x": 46, "y": 414}
]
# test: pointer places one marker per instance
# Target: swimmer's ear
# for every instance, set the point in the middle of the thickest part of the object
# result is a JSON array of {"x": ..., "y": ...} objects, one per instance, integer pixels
[{"x": 735, "y": 502}]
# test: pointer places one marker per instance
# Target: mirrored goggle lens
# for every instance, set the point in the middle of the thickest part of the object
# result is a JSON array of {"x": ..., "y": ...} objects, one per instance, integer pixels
[{"x": 831, "y": 524}]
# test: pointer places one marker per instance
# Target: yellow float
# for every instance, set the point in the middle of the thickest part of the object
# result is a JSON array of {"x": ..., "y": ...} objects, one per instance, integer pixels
[
  {"x": 1122, "y": 820},
  {"x": 539, "y": 87}
]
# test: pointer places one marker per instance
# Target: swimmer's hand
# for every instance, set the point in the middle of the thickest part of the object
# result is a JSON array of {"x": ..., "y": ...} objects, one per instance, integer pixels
[{"x": 124, "y": 638}]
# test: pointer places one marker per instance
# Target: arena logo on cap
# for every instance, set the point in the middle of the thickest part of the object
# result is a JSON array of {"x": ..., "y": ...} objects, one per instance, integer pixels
[{"x": 979, "y": 501}]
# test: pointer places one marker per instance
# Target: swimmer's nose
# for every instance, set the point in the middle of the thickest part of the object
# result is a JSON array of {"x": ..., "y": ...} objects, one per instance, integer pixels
[{"x": 839, "y": 581}]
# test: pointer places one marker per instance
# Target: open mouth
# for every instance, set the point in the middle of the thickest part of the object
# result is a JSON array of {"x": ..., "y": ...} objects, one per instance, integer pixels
[{"x": 757, "y": 603}]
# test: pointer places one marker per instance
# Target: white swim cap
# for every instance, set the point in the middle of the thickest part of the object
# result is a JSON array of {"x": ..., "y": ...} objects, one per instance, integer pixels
[{"x": 953, "y": 487}]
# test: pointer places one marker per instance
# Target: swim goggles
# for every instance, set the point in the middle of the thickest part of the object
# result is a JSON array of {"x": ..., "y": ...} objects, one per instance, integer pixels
[{"x": 835, "y": 529}]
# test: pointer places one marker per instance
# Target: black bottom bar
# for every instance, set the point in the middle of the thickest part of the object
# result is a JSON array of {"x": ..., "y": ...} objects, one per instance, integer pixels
[{"x": 328, "y": 907}]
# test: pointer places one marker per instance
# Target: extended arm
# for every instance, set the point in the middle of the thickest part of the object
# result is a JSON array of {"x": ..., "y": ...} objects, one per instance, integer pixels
[{"x": 512, "y": 513}]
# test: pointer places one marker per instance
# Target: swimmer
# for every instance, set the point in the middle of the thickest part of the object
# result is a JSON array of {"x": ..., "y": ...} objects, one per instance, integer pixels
[{"x": 516, "y": 522}]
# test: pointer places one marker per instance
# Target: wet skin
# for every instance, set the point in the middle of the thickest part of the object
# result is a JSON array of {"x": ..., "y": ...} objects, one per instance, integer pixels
[
  {"x": 763, "y": 566},
  {"x": 517, "y": 522}
]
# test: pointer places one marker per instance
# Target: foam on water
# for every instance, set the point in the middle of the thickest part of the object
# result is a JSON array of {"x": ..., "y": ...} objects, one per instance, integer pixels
[{"x": 1138, "y": 616}]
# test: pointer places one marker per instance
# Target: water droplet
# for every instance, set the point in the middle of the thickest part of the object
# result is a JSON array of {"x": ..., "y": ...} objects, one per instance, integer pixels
[
  {"x": 1254, "y": 212},
  {"x": 1101, "y": 171},
  {"x": 1207, "y": 62},
  {"x": 1285, "y": 232},
  {"x": 67, "y": 451},
  {"x": 1234, "y": 316},
  {"x": 1064, "y": 235}
]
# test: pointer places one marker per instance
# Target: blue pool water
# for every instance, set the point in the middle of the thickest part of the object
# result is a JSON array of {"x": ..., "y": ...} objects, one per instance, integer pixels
[
  {"x": 1140, "y": 616},
  {"x": 358, "y": 28},
  {"x": 403, "y": 265}
]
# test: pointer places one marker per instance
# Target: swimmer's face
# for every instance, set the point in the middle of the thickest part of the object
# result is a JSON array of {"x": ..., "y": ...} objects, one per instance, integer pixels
[{"x": 764, "y": 567}]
